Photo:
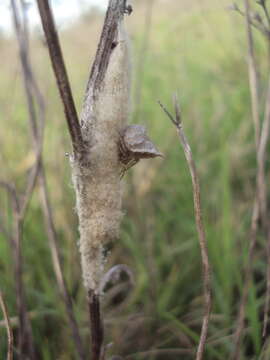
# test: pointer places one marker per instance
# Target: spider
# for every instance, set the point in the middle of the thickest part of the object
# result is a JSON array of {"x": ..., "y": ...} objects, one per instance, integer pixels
[{"x": 134, "y": 144}]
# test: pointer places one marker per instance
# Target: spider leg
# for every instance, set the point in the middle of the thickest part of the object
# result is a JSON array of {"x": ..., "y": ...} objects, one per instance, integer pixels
[{"x": 129, "y": 165}]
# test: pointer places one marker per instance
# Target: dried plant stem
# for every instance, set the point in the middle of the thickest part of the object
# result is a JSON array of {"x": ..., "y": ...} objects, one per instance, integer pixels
[
  {"x": 253, "y": 75},
  {"x": 267, "y": 297},
  {"x": 8, "y": 327},
  {"x": 62, "y": 286},
  {"x": 258, "y": 25},
  {"x": 26, "y": 343},
  {"x": 248, "y": 277},
  {"x": 199, "y": 223},
  {"x": 260, "y": 202},
  {"x": 266, "y": 12},
  {"x": 96, "y": 324},
  {"x": 36, "y": 125},
  {"x": 262, "y": 183},
  {"x": 61, "y": 75}
]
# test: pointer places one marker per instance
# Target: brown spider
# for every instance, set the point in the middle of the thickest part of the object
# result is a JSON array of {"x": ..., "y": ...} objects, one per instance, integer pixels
[{"x": 134, "y": 144}]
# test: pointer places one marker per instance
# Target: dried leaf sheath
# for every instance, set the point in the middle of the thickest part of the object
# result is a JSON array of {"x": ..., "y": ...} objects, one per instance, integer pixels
[{"x": 96, "y": 175}]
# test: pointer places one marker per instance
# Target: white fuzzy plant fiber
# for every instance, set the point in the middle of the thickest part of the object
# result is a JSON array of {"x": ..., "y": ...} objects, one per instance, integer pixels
[{"x": 97, "y": 181}]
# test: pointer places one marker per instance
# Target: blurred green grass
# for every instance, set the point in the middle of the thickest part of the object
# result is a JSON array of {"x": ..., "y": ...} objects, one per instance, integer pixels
[{"x": 199, "y": 52}]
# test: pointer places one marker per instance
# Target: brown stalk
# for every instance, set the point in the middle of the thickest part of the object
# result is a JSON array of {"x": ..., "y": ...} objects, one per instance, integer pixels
[
  {"x": 37, "y": 125},
  {"x": 254, "y": 22},
  {"x": 53, "y": 243},
  {"x": 8, "y": 327},
  {"x": 116, "y": 8},
  {"x": 95, "y": 324},
  {"x": 266, "y": 12},
  {"x": 61, "y": 76},
  {"x": 253, "y": 75},
  {"x": 26, "y": 344},
  {"x": 260, "y": 201},
  {"x": 248, "y": 277},
  {"x": 177, "y": 121},
  {"x": 262, "y": 159}
]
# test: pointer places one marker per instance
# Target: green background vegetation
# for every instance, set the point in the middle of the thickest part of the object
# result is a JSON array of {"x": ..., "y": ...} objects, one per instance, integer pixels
[{"x": 197, "y": 49}]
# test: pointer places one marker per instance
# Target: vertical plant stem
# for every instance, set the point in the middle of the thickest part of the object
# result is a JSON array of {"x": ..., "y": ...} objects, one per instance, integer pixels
[
  {"x": 26, "y": 343},
  {"x": 248, "y": 276},
  {"x": 199, "y": 224},
  {"x": 253, "y": 75},
  {"x": 36, "y": 125},
  {"x": 25, "y": 337},
  {"x": 62, "y": 286},
  {"x": 95, "y": 324},
  {"x": 61, "y": 75},
  {"x": 8, "y": 327},
  {"x": 259, "y": 207},
  {"x": 262, "y": 183}
]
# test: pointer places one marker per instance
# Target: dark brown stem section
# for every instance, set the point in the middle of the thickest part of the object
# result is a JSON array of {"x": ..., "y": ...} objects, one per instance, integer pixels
[
  {"x": 61, "y": 75},
  {"x": 116, "y": 10},
  {"x": 95, "y": 325}
]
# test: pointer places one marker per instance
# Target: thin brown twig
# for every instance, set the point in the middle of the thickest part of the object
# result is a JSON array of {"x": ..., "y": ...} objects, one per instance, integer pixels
[
  {"x": 61, "y": 76},
  {"x": 259, "y": 207},
  {"x": 247, "y": 279},
  {"x": 253, "y": 75},
  {"x": 259, "y": 25},
  {"x": 265, "y": 9},
  {"x": 37, "y": 126},
  {"x": 26, "y": 343},
  {"x": 8, "y": 327},
  {"x": 52, "y": 237},
  {"x": 177, "y": 121},
  {"x": 3, "y": 228},
  {"x": 262, "y": 184}
]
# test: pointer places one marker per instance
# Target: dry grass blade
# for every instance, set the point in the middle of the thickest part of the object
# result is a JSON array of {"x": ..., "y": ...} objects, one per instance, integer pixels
[
  {"x": 199, "y": 223},
  {"x": 8, "y": 327}
]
